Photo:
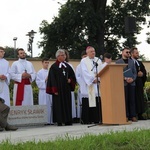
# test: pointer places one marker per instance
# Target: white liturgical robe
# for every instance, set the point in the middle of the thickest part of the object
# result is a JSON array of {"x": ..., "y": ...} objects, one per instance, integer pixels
[
  {"x": 17, "y": 69},
  {"x": 43, "y": 97},
  {"x": 73, "y": 99},
  {"x": 89, "y": 71},
  {"x": 4, "y": 84},
  {"x": 79, "y": 96}
]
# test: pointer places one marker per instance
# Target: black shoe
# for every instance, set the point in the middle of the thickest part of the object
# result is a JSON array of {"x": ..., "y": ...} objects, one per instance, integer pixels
[
  {"x": 59, "y": 124},
  {"x": 1, "y": 129},
  {"x": 10, "y": 128},
  {"x": 47, "y": 124},
  {"x": 86, "y": 122},
  {"x": 68, "y": 124}
]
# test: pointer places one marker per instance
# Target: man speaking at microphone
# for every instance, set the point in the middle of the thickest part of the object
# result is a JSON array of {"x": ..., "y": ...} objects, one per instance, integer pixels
[{"x": 90, "y": 66}]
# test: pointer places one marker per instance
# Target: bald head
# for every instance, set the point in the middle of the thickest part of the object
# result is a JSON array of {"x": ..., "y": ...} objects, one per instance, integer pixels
[{"x": 90, "y": 51}]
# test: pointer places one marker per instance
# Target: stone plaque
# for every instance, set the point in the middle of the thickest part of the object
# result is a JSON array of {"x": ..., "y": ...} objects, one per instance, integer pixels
[{"x": 23, "y": 115}]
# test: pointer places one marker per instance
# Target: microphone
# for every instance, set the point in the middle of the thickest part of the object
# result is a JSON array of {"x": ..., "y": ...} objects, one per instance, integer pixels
[{"x": 95, "y": 63}]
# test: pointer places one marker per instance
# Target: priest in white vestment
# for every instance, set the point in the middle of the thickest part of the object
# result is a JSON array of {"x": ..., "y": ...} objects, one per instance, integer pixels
[
  {"x": 23, "y": 74},
  {"x": 91, "y": 108},
  {"x": 43, "y": 97},
  {"x": 4, "y": 77}
]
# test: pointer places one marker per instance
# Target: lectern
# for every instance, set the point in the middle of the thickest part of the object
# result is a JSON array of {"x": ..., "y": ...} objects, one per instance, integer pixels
[{"x": 112, "y": 94}]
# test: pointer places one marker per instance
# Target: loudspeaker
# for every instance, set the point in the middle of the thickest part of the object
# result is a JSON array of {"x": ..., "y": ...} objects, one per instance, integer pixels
[{"x": 130, "y": 25}]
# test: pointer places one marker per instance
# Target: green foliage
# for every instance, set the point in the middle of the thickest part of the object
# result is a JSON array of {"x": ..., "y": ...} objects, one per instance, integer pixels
[
  {"x": 137, "y": 139},
  {"x": 11, "y": 85},
  {"x": 83, "y": 22},
  {"x": 35, "y": 93},
  {"x": 147, "y": 91},
  {"x": 9, "y": 52},
  {"x": 146, "y": 115}
]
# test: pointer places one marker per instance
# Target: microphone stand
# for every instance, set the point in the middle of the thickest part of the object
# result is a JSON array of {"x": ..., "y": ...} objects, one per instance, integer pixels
[{"x": 99, "y": 100}]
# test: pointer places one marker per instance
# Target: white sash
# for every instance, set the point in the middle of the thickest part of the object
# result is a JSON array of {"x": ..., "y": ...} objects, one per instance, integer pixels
[{"x": 90, "y": 88}]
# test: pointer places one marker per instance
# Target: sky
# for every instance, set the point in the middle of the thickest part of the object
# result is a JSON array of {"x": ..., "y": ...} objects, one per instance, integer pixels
[{"x": 18, "y": 17}]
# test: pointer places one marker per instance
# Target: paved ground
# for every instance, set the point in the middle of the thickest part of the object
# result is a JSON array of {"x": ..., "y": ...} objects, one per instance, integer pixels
[{"x": 45, "y": 133}]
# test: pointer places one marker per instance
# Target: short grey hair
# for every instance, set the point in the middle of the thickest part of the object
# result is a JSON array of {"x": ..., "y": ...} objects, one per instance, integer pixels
[{"x": 58, "y": 52}]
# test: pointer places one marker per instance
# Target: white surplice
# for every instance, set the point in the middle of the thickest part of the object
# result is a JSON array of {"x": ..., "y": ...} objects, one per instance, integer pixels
[
  {"x": 17, "y": 69},
  {"x": 43, "y": 97},
  {"x": 88, "y": 70},
  {"x": 4, "y": 84},
  {"x": 73, "y": 99},
  {"x": 79, "y": 95}
]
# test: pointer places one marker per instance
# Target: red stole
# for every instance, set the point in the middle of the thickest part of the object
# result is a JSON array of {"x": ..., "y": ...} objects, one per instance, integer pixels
[{"x": 20, "y": 91}]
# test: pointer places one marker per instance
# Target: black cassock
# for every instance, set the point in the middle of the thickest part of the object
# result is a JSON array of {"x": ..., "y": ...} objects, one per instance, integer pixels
[
  {"x": 57, "y": 82},
  {"x": 140, "y": 81}
]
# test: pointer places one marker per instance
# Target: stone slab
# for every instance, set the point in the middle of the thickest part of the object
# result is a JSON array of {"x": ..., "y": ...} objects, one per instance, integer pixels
[{"x": 27, "y": 115}]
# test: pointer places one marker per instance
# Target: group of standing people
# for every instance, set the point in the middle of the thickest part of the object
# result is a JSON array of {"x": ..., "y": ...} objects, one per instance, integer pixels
[
  {"x": 133, "y": 85},
  {"x": 57, "y": 84}
]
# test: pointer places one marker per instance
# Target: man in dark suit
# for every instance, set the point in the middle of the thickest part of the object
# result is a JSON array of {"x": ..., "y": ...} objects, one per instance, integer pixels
[
  {"x": 4, "y": 111},
  {"x": 140, "y": 81},
  {"x": 129, "y": 84}
]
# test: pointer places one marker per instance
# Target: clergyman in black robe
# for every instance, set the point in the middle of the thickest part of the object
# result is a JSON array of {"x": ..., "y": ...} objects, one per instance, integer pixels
[
  {"x": 61, "y": 81},
  {"x": 140, "y": 81}
]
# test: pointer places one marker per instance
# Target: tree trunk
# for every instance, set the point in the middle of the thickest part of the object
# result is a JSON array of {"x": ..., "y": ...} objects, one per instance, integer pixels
[{"x": 99, "y": 8}]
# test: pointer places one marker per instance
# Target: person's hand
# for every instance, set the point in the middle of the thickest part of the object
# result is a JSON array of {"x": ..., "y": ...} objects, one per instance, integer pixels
[
  {"x": 3, "y": 77},
  {"x": 56, "y": 93},
  {"x": 69, "y": 80},
  {"x": 140, "y": 74},
  {"x": 26, "y": 75},
  {"x": 95, "y": 81},
  {"x": 129, "y": 80},
  {"x": 46, "y": 79}
]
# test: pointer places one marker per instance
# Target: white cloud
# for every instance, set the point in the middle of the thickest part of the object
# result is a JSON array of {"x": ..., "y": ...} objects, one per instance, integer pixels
[{"x": 18, "y": 17}]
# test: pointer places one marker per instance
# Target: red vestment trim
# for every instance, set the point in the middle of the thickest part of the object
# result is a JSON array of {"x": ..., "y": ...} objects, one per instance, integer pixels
[
  {"x": 51, "y": 90},
  {"x": 20, "y": 91}
]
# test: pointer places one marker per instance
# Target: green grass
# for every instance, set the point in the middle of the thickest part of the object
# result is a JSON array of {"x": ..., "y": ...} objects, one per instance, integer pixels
[{"x": 135, "y": 140}]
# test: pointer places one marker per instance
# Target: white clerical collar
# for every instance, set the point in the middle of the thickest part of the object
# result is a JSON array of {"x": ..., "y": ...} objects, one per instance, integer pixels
[
  {"x": 135, "y": 61},
  {"x": 22, "y": 60},
  {"x": 62, "y": 64},
  {"x": 44, "y": 69},
  {"x": 92, "y": 59}
]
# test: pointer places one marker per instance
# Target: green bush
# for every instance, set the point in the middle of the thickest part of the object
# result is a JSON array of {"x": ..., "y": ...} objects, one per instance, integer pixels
[
  {"x": 11, "y": 85},
  {"x": 147, "y": 91},
  {"x": 35, "y": 93},
  {"x": 146, "y": 115}
]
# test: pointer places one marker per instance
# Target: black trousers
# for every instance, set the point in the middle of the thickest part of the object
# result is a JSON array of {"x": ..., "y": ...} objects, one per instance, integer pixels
[
  {"x": 4, "y": 110},
  {"x": 130, "y": 101},
  {"x": 91, "y": 114}
]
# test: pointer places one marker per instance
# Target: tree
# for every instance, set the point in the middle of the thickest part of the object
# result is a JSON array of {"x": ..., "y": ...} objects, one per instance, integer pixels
[
  {"x": 90, "y": 22},
  {"x": 9, "y": 52}
]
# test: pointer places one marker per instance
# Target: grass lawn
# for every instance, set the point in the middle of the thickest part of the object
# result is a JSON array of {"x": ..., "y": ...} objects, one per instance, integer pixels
[{"x": 134, "y": 140}]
